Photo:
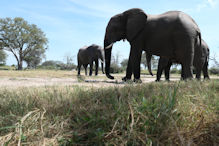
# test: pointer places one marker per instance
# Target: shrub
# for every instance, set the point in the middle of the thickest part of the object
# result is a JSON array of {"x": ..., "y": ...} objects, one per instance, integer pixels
[
  {"x": 114, "y": 68},
  {"x": 175, "y": 71},
  {"x": 214, "y": 71}
]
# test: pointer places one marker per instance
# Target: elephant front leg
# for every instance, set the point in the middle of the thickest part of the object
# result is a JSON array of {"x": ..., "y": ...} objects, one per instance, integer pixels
[
  {"x": 96, "y": 67},
  {"x": 136, "y": 53},
  {"x": 91, "y": 68},
  {"x": 128, "y": 71},
  {"x": 79, "y": 69}
]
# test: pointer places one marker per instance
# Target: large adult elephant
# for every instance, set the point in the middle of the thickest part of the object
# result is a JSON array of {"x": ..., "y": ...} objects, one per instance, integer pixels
[
  {"x": 200, "y": 62},
  {"x": 172, "y": 34},
  {"x": 88, "y": 55}
]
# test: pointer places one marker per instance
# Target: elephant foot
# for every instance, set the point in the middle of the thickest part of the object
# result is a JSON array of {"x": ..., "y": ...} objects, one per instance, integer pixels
[
  {"x": 157, "y": 80},
  {"x": 206, "y": 78},
  {"x": 126, "y": 79},
  {"x": 109, "y": 76},
  {"x": 137, "y": 80},
  {"x": 198, "y": 79}
]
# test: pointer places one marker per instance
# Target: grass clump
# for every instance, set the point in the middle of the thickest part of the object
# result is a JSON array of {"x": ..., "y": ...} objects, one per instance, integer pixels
[{"x": 179, "y": 113}]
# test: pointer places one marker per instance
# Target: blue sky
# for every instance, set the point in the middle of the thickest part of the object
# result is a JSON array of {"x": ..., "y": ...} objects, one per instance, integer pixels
[{"x": 71, "y": 24}]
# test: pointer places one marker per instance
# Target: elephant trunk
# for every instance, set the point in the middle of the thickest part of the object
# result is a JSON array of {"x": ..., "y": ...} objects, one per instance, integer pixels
[
  {"x": 102, "y": 67},
  {"x": 107, "y": 52},
  {"x": 148, "y": 58}
]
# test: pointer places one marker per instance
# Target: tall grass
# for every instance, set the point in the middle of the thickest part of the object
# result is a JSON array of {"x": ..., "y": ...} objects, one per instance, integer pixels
[{"x": 181, "y": 113}]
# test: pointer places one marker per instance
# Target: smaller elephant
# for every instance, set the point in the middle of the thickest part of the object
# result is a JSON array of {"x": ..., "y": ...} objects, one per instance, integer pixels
[
  {"x": 200, "y": 62},
  {"x": 88, "y": 55}
]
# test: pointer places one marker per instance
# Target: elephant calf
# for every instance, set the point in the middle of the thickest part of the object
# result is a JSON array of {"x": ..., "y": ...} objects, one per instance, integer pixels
[
  {"x": 87, "y": 55},
  {"x": 200, "y": 62}
]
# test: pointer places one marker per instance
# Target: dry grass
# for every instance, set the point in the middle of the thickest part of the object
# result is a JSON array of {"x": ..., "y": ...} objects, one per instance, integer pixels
[
  {"x": 185, "y": 113},
  {"x": 36, "y": 73}
]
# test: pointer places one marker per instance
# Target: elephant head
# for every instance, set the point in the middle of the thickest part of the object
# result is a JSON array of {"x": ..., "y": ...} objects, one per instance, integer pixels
[{"x": 126, "y": 25}]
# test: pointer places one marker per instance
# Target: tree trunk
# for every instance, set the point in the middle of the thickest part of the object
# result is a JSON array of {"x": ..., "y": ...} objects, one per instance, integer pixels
[
  {"x": 20, "y": 65},
  {"x": 20, "y": 62}
]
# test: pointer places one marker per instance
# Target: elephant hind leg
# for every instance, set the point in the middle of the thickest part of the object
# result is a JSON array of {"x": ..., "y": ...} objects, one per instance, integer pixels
[
  {"x": 185, "y": 46},
  {"x": 162, "y": 64},
  {"x": 96, "y": 67},
  {"x": 85, "y": 67},
  {"x": 198, "y": 73},
  {"x": 167, "y": 71},
  {"x": 159, "y": 70},
  {"x": 79, "y": 69},
  {"x": 205, "y": 70}
]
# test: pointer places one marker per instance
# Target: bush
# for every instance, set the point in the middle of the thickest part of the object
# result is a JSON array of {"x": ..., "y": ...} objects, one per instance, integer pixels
[
  {"x": 114, "y": 68},
  {"x": 175, "y": 71},
  {"x": 67, "y": 66},
  {"x": 214, "y": 71},
  {"x": 58, "y": 65}
]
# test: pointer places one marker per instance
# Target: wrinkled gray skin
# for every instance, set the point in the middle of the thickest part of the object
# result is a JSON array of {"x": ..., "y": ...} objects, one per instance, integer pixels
[
  {"x": 172, "y": 35},
  {"x": 88, "y": 55},
  {"x": 201, "y": 58}
]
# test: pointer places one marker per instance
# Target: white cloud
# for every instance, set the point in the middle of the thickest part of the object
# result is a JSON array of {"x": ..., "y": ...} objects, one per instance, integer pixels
[
  {"x": 205, "y": 4},
  {"x": 96, "y": 8},
  {"x": 212, "y": 3}
]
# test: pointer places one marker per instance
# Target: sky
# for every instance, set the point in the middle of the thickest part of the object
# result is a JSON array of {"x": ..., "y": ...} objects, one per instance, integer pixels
[{"x": 72, "y": 24}]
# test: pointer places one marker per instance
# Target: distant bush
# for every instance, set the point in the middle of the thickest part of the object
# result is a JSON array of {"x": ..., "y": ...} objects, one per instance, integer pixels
[
  {"x": 58, "y": 65},
  {"x": 67, "y": 66},
  {"x": 114, "y": 68},
  {"x": 5, "y": 67},
  {"x": 214, "y": 71},
  {"x": 175, "y": 71}
]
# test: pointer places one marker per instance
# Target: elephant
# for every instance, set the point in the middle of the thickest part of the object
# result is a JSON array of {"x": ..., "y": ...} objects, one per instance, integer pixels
[
  {"x": 88, "y": 55},
  {"x": 172, "y": 35},
  {"x": 200, "y": 62}
]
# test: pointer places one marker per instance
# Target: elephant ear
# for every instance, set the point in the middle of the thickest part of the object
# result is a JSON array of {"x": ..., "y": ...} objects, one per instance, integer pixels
[{"x": 136, "y": 20}]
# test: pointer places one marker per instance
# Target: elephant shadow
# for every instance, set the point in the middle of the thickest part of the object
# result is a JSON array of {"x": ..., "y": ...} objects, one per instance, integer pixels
[{"x": 109, "y": 82}]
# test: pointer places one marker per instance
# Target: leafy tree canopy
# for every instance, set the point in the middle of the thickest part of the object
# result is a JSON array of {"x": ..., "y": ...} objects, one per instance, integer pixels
[{"x": 21, "y": 38}]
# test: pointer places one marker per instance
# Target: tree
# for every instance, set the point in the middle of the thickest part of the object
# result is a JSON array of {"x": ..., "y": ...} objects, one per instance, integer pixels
[
  {"x": 34, "y": 58},
  {"x": 124, "y": 63},
  {"x": 143, "y": 59},
  {"x": 3, "y": 57},
  {"x": 115, "y": 58},
  {"x": 21, "y": 39}
]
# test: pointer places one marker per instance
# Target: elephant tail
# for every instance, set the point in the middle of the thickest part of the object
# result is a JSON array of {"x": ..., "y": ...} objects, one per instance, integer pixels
[{"x": 200, "y": 38}]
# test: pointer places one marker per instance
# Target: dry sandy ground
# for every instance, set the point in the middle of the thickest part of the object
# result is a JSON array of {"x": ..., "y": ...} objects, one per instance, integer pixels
[{"x": 98, "y": 81}]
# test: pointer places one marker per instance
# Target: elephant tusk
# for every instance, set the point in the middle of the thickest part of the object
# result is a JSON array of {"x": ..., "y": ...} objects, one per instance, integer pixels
[{"x": 107, "y": 47}]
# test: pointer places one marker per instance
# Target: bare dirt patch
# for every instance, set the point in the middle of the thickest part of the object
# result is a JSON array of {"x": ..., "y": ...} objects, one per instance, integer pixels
[
  {"x": 16, "y": 79},
  {"x": 94, "y": 81}
]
